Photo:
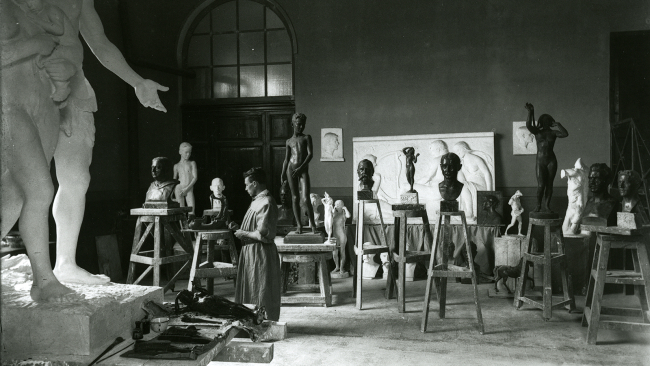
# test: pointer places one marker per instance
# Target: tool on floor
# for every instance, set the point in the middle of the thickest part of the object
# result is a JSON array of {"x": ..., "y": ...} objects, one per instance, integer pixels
[{"x": 117, "y": 341}]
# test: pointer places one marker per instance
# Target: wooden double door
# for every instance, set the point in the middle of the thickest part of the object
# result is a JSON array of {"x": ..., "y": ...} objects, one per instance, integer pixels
[{"x": 228, "y": 140}]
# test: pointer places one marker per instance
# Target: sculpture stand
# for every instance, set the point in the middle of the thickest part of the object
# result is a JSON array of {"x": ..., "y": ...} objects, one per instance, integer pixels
[
  {"x": 508, "y": 250},
  {"x": 440, "y": 272},
  {"x": 545, "y": 258},
  {"x": 305, "y": 238},
  {"x": 544, "y": 215},
  {"x": 210, "y": 269},
  {"x": 362, "y": 249},
  {"x": 75, "y": 331},
  {"x": 409, "y": 198},
  {"x": 163, "y": 223}
]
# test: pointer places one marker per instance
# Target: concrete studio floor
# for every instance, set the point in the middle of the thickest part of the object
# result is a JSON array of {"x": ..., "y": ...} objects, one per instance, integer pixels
[{"x": 343, "y": 335}]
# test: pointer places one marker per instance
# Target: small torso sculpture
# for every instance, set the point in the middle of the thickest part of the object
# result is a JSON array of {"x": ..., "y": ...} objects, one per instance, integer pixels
[
  {"x": 295, "y": 170},
  {"x": 185, "y": 171},
  {"x": 159, "y": 194},
  {"x": 411, "y": 159},
  {"x": 517, "y": 210},
  {"x": 629, "y": 182},
  {"x": 600, "y": 208},
  {"x": 578, "y": 193},
  {"x": 450, "y": 188},
  {"x": 546, "y": 164},
  {"x": 285, "y": 211}
]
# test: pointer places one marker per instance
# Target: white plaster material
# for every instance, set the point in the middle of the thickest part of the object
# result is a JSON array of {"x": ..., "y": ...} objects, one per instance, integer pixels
[
  {"x": 80, "y": 328},
  {"x": 476, "y": 151},
  {"x": 577, "y": 193},
  {"x": 523, "y": 142},
  {"x": 331, "y": 144}
]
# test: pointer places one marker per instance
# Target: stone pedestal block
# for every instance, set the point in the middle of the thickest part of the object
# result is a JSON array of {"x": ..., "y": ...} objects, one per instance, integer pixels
[{"x": 80, "y": 328}]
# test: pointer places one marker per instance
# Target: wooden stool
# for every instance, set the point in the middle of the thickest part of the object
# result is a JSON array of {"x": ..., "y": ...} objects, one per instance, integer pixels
[
  {"x": 306, "y": 253},
  {"x": 440, "y": 272},
  {"x": 639, "y": 277},
  {"x": 403, "y": 256},
  {"x": 360, "y": 250},
  {"x": 164, "y": 222},
  {"x": 546, "y": 259},
  {"x": 211, "y": 269}
]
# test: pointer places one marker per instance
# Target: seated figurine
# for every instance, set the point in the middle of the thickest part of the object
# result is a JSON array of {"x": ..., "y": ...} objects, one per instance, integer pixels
[{"x": 159, "y": 194}]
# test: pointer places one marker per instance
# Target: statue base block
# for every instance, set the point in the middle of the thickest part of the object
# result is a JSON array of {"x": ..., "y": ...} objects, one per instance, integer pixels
[
  {"x": 364, "y": 194},
  {"x": 626, "y": 220},
  {"x": 448, "y": 206},
  {"x": 544, "y": 215},
  {"x": 304, "y": 238},
  {"x": 339, "y": 274},
  {"x": 594, "y": 221},
  {"x": 70, "y": 330},
  {"x": 409, "y": 198}
]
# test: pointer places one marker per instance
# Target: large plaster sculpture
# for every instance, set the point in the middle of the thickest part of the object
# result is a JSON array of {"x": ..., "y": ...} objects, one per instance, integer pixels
[
  {"x": 546, "y": 163},
  {"x": 629, "y": 182},
  {"x": 295, "y": 170},
  {"x": 185, "y": 171},
  {"x": 159, "y": 194},
  {"x": 328, "y": 213},
  {"x": 600, "y": 207},
  {"x": 578, "y": 193},
  {"x": 68, "y": 135},
  {"x": 516, "y": 210},
  {"x": 475, "y": 166}
]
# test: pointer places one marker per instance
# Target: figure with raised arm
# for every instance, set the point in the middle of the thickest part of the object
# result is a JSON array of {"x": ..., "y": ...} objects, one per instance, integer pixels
[
  {"x": 546, "y": 164},
  {"x": 517, "y": 210},
  {"x": 411, "y": 159},
  {"x": 185, "y": 172},
  {"x": 295, "y": 170}
]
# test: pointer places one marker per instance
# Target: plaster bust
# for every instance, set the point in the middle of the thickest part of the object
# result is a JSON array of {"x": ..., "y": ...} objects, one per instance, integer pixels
[
  {"x": 218, "y": 201},
  {"x": 450, "y": 187},
  {"x": 161, "y": 189},
  {"x": 365, "y": 171}
]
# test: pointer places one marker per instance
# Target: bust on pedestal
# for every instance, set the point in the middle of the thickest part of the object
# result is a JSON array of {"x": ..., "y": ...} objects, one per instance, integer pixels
[
  {"x": 159, "y": 194},
  {"x": 600, "y": 207},
  {"x": 632, "y": 212}
]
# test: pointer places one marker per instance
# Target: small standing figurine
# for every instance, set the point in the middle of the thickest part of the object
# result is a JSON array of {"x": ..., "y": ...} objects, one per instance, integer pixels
[
  {"x": 517, "y": 210},
  {"x": 218, "y": 201},
  {"x": 295, "y": 170},
  {"x": 340, "y": 214},
  {"x": 411, "y": 159},
  {"x": 185, "y": 171},
  {"x": 328, "y": 208},
  {"x": 578, "y": 193},
  {"x": 629, "y": 182},
  {"x": 546, "y": 164},
  {"x": 160, "y": 191}
]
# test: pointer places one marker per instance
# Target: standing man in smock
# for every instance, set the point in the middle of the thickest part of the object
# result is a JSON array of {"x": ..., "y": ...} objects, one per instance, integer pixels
[{"x": 258, "y": 273}]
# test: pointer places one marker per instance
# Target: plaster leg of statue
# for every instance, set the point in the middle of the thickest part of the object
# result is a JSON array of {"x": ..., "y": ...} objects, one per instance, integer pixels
[
  {"x": 27, "y": 187},
  {"x": 73, "y": 156},
  {"x": 190, "y": 200},
  {"x": 179, "y": 197}
]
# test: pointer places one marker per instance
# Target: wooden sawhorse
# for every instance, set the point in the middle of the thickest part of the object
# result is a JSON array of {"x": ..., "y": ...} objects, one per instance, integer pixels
[
  {"x": 545, "y": 259},
  {"x": 600, "y": 275},
  {"x": 211, "y": 269},
  {"x": 305, "y": 253},
  {"x": 164, "y": 224},
  {"x": 360, "y": 250},
  {"x": 402, "y": 212},
  {"x": 440, "y": 272}
]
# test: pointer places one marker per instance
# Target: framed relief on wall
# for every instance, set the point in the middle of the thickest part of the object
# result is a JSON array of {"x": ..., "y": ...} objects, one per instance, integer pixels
[
  {"x": 490, "y": 208},
  {"x": 523, "y": 142},
  {"x": 331, "y": 144}
]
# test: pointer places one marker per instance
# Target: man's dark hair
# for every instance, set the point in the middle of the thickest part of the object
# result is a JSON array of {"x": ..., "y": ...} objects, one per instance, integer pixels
[
  {"x": 299, "y": 117},
  {"x": 256, "y": 174},
  {"x": 454, "y": 159},
  {"x": 167, "y": 166},
  {"x": 605, "y": 171}
]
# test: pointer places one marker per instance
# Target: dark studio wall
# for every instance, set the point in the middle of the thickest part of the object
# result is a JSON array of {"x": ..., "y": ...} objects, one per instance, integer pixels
[{"x": 386, "y": 68}]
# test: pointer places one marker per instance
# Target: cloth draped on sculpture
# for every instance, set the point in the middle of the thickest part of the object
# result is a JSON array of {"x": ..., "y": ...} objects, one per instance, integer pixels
[
  {"x": 258, "y": 271},
  {"x": 482, "y": 236}
]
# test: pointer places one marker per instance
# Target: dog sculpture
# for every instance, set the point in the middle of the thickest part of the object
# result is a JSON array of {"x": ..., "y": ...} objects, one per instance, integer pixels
[{"x": 504, "y": 272}]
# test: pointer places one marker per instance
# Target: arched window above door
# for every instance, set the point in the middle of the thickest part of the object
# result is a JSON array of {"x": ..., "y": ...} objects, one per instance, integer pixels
[{"x": 238, "y": 49}]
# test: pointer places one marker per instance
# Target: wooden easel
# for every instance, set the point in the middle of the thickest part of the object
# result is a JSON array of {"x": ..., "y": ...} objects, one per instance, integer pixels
[
  {"x": 439, "y": 273},
  {"x": 164, "y": 224}
]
